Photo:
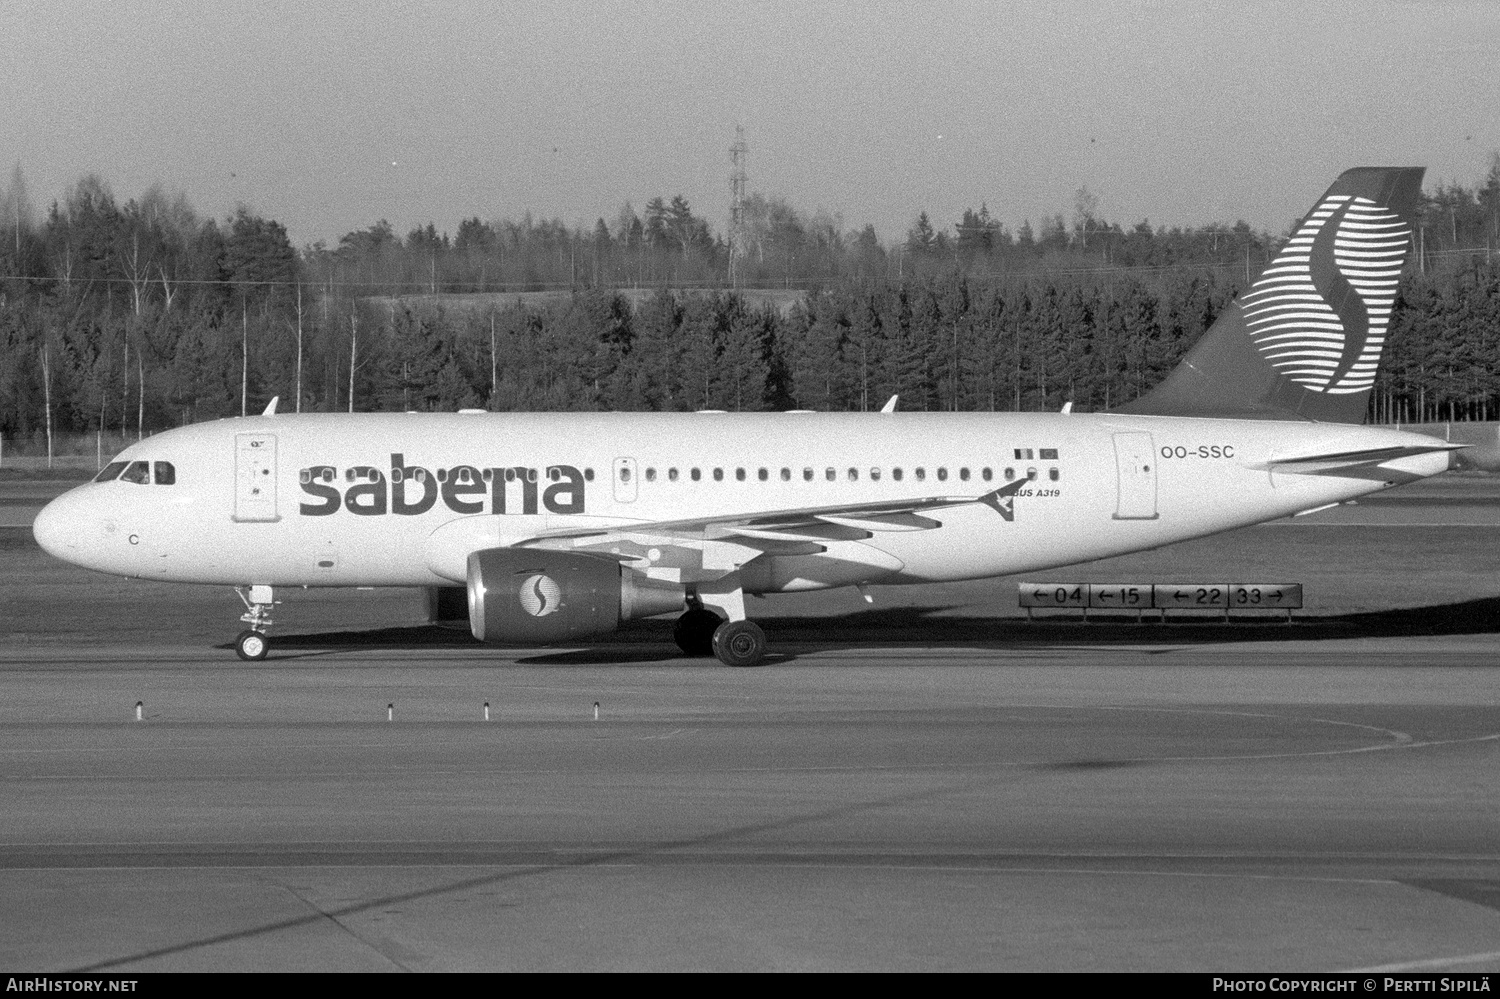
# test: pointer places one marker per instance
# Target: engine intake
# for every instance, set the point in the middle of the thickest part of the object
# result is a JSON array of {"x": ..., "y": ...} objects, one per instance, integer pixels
[{"x": 524, "y": 596}]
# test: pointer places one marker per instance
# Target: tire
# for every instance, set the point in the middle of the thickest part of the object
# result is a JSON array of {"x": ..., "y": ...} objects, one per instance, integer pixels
[
  {"x": 694, "y": 632},
  {"x": 251, "y": 646},
  {"x": 739, "y": 643}
]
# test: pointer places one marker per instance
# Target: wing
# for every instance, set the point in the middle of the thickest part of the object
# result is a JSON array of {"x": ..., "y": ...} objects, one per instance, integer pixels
[{"x": 702, "y": 549}]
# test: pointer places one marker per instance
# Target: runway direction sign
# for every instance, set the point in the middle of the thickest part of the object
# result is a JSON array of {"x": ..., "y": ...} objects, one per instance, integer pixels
[
  {"x": 1190, "y": 596},
  {"x": 1138, "y": 597},
  {"x": 1269, "y": 596},
  {"x": 1054, "y": 594},
  {"x": 1120, "y": 596}
]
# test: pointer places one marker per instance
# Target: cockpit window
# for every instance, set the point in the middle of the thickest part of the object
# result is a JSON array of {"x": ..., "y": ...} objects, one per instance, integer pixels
[
  {"x": 166, "y": 473},
  {"x": 111, "y": 471},
  {"x": 139, "y": 471}
]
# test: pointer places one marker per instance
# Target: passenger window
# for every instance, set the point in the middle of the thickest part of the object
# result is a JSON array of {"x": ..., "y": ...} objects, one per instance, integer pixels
[
  {"x": 963, "y": 473},
  {"x": 695, "y": 475},
  {"x": 739, "y": 473},
  {"x": 1031, "y": 474},
  {"x": 830, "y": 474},
  {"x": 718, "y": 475},
  {"x": 111, "y": 471},
  {"x": 853, "y": 475},
  {"x": 650, "y": 475},
  {"x": 1052, "y": 474},
  {"x": 1010, "y": 473},
  {"x": 987, "y": 475},
  {"x": 624, "y": 473},
  {"x": 807, "y": 475},
  {"x": 166, "y": 475},
  {"x": 921, "y": 474},
  {"x": 942, "y": 475},
  {"x": 763, "y": 475},
  {"x": 671, "y": 475},
  {"x": 786, "y": 475},
  {"x": 874, "y": 475},
  {"x": 588, "y": 474},
  {"x": 138, "y": 472},
  {"x": 896, "y": 474}
]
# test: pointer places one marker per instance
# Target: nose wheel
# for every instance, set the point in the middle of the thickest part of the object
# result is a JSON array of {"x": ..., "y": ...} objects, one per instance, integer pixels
[{"x": 252, "y": 644}]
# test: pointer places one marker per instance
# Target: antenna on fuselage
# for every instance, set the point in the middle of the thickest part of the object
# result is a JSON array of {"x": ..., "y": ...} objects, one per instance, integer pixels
[
  {"x": 271, "y": 406},
  {"x": 890, "y": 404}
]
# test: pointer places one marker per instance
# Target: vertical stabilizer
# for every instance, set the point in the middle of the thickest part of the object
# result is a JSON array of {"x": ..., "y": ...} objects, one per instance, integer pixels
[{"x": 1306, "y": 338}]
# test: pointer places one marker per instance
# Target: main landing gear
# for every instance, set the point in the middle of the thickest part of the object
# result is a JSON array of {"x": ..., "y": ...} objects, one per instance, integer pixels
[
  {"x": 739, "y": 643},
  {"x": 694, "y": 631},
  {"x": 252, "y": 644},
  {"x": 735, "y": 642}
]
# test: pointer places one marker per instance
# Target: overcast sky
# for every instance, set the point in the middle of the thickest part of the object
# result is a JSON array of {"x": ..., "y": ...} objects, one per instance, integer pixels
[{"x": 330, "y": 116}]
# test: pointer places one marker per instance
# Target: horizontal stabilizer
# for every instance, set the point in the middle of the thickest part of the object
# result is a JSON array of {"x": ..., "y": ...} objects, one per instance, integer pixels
[{"x": 1370, "y": 456}]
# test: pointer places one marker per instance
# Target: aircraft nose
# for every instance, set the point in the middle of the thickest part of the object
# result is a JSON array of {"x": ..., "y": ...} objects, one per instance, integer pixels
[{"x": 58, "y": 527}]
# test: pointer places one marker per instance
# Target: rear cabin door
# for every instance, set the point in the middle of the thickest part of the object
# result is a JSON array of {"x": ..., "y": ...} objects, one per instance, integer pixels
[
  {"x": 255, "y": 478},
  {"x": 1135, "y": 468},
  {"x": 624, "y": 477}
]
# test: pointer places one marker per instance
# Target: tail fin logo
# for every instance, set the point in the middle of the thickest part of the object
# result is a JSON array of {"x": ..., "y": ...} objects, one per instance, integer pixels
[
  {"x": 540, "y": 595},
  {"x": 1319, "y": 313}
]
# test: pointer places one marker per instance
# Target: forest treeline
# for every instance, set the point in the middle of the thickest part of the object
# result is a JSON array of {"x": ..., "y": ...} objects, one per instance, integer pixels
[{"x": 144, "y": 315}]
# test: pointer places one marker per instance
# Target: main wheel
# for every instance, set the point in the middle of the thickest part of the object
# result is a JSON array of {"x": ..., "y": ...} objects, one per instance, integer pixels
[
  {"x": 739, "y": 643},
  {"x": 251, "y": 645},
  {"x": 694, "y": 631}
]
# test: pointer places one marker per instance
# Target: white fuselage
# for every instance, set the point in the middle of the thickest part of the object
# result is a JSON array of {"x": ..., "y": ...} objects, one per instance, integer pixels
[{"x": 267, "y": 500}]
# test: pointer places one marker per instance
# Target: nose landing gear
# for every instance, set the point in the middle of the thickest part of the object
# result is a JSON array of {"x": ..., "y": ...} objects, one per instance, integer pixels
[{"x": 252, "y": 644}]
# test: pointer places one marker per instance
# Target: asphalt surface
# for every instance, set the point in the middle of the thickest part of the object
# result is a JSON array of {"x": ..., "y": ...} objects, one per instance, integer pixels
[
  {"x": 926, "y": 784},
  {"x": 1285, "y": 806}
]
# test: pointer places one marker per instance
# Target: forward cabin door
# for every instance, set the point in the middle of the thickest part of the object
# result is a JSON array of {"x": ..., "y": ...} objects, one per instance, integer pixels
[
  {"x": 624, "y": 477},
  {"x": 1135, "y": 468},
  {"x": 255, "y": 478}
]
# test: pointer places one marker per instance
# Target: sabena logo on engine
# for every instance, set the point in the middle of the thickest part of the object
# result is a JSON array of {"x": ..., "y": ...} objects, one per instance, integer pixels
[
  {"x": 540, "y": 595},
  {"x": 410, "y": 490}
]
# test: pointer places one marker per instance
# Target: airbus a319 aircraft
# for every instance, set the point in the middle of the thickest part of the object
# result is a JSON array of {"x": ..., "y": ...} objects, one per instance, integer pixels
[{"x": 562, "y": 525}]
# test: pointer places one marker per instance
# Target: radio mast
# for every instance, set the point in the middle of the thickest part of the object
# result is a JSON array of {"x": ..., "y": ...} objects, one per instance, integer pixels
[{"x": 739, "y": 153}]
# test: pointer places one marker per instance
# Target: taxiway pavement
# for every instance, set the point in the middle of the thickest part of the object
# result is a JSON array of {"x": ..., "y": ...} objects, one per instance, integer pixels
[
  {"x": 928, "y": 784},
  {"x": 1277, "y": 806}
]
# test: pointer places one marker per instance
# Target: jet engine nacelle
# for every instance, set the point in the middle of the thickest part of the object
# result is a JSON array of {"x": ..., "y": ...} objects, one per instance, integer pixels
[{"x": 523, "y": 596}]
